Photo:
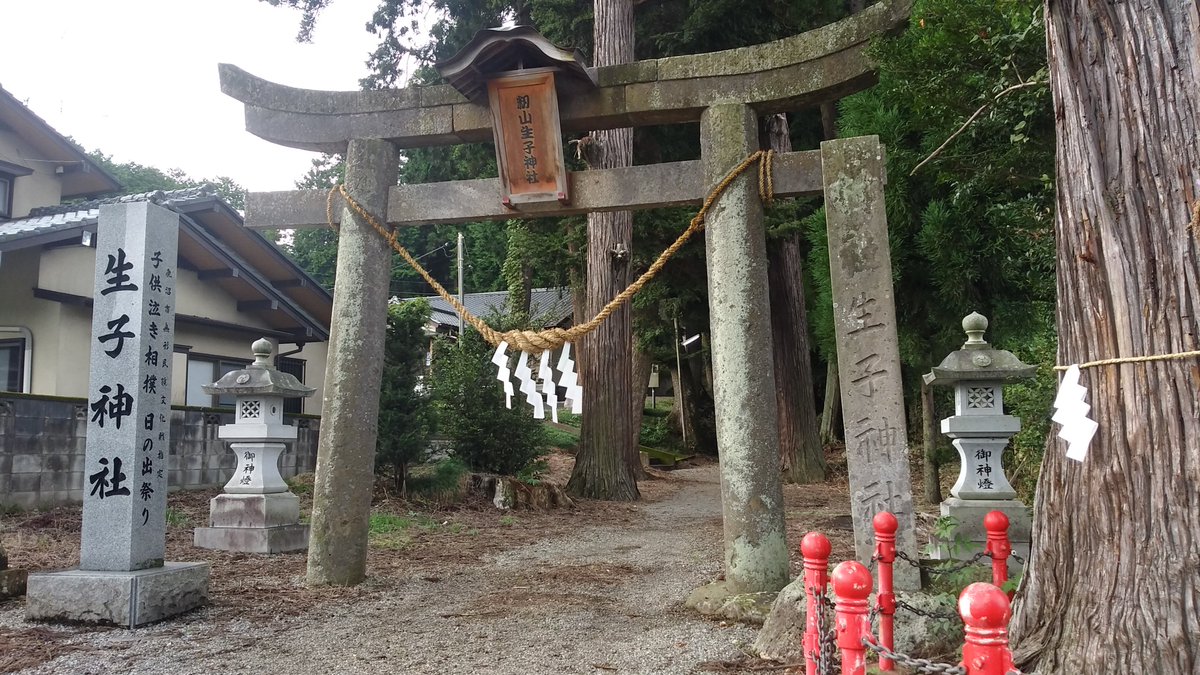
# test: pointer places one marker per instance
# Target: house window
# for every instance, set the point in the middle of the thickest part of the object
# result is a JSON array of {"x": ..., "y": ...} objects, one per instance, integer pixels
[
  {"x": 8, "y": 175},
  {"x": 6, "y": 195},
  {"x": 295, "y": 367},
  {"x": 202, "y": 370},
  {"x": 12, "y": 365}
]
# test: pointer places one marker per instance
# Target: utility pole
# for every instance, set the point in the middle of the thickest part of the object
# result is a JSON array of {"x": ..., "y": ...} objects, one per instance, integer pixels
[{"x": 460, "y": 280}]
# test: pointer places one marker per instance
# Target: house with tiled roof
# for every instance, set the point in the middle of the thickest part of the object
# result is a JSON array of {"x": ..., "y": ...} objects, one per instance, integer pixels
[
  {"x": 548, "y": 308},
  {"x": 234, "y": 286}
]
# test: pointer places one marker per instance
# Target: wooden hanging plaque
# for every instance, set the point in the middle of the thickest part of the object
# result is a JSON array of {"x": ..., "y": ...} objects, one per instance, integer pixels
[{"x": 528, "y": 138}]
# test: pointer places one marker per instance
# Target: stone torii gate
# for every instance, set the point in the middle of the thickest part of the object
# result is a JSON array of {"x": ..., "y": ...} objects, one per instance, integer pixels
[{"x": 726, "y": 92}]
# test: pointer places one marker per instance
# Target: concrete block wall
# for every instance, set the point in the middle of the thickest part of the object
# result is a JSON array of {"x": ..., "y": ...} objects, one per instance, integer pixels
[{"x": 42, "y": 442}]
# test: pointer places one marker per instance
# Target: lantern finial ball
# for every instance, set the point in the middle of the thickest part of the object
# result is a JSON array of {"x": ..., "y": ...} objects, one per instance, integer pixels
[
  {"x": 975, "y": 325},
  {"x": 262, "y": 351}
]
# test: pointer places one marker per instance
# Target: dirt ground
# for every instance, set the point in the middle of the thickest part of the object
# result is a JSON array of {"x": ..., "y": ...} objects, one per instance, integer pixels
[{"x": 453, "y": 588}]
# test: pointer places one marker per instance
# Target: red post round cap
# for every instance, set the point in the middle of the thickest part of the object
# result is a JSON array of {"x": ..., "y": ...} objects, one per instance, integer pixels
[
  {"x": 815, "y": 545},
  {"x": 983, "y": 605},
  {"x": 851, "y": 580}
]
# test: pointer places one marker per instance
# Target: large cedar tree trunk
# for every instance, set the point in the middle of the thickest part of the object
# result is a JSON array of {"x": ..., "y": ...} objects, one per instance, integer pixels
[
  {"x": 606, "y": 465},
  {"x": 801, "y": 457},
  {"x": 1114, "y": 580}
]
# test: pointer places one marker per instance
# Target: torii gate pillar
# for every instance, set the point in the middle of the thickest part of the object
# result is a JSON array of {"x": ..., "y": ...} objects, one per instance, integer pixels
[
  {"x": 756, "y": 556},
  {"x": 337, "y": 553}
]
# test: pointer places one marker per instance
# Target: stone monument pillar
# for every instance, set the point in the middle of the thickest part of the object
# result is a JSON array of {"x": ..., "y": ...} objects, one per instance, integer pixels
[
  {"x": 122, "y": 578},
  {"x": 981, "y": 432},
  {"x": 257, "y": 513},
  {"x": 864, "y": 315}
]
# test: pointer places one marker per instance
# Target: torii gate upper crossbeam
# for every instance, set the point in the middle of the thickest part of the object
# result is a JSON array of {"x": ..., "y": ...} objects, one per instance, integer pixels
[{"x": 789, "y": 74}]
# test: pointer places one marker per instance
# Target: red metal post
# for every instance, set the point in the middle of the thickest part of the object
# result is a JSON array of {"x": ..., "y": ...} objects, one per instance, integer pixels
[
  {"x": 885, "y": 554},
  {"x": 998, "y": 545},
  {"x": 815, "y": 548},
  {"x": 985, "y": 612},
  {"x": 851, "y": 582}
]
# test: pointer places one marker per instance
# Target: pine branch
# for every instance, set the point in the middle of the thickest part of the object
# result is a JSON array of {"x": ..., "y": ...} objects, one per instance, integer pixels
[{"x": 971, "y": 119}]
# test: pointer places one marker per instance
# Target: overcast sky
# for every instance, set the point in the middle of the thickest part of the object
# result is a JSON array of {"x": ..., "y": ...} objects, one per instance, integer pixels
[{"x": 137, "y": 79}]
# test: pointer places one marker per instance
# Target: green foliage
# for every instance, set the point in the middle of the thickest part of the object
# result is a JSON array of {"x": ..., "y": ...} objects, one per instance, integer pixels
[
  {"x": 655, "y": 431},
  {"x": 405, "y": 411},
  {"x": 438, "y": 480},
  {"x": 1031, "y": 401},
  {"x": 972, "y": 229},
  {"x": 177, "y": 518},
  {"x": 563, "y": 440},
  {"x": 533, "y": 472},
  {"x": 396, "y": 532},
  {"x": 486, "y": 435},
  {"x": 136, "y": 179}
]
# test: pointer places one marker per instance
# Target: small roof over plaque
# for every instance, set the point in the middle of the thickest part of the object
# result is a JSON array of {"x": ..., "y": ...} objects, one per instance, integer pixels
[{"x": 499, "y": 50}]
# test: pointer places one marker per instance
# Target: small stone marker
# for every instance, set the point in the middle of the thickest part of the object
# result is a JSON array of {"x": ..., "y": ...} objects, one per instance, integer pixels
[
  {"x": 12, "y": 581},
  {"x": 257, "y": 513},
  {"x": 868, "y": 354},
  {"x": 981, "y": 432},
  {"x": 122, "y": 577}
]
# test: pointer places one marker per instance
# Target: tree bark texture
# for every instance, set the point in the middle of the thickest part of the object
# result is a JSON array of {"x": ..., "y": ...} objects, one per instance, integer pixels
[
  {"x": 929, "y": 438},
  {"x": 801, "y": 457},
  {"x": 605, "y": 467},
  {"x": 345, "y": 480},
  {"x": 637, "y": 403},
  {"x": 1114, "y": 579},
  {"x": 831, "y": 412}
]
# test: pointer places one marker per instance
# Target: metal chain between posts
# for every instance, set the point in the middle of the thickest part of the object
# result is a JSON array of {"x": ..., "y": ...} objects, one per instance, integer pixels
[
  {"x": 536, "y": 342},
  {"x": 1014, "y": 556},
  {"x": 900, "y": 604},
  {"x": 827, "y": 658},
  {"x": 941, "y": 568},
  {"x": 920, "y": 665}
]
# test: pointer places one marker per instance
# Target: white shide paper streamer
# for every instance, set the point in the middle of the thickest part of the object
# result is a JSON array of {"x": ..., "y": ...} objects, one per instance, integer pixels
[
  {"x": 570, "y": 380},
  {"x": 500, "y": 358},
  {"x": 1071, "y": 412}
]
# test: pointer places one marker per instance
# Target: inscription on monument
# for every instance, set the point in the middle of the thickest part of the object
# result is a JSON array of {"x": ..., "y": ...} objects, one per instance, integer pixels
[{"x": 133, "y": 322}]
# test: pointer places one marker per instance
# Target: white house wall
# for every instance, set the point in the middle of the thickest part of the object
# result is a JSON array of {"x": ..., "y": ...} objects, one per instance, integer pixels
[
  {"x": 61, "y": 332},
  {"x": 37, "y": 189},
  {"x": 18, "y": 307}
]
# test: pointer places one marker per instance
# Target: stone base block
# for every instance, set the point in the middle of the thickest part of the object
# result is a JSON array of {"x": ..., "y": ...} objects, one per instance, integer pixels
[
  {"x": 12, "y": 583},
  {"x": 969, "y": 513},
  {"x": 280, "y": 539},
  {"x": 254, "y": 511},
  {"x": 127, "y": 599}
]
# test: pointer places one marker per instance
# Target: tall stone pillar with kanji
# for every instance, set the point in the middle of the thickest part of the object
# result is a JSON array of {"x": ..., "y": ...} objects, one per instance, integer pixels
[{"x": 122, "y": 578}]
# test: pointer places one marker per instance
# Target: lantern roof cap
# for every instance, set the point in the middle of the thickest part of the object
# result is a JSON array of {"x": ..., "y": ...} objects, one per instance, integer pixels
[
  {"x": 502, "y": 50},
  {"x": 259, "y": 378},
  {"x": 978, "y": 360}
]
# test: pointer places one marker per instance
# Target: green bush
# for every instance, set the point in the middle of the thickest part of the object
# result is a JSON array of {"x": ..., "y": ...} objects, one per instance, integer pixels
[
  {"x": 405, "y": 413},
  {"x": 469, "y": 402},
  {"x": 654, "y": 432},
  {"x": 437, "y": 480}
]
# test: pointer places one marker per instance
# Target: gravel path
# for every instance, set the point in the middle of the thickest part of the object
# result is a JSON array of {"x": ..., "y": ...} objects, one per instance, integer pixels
[{"x": 604, "y": 599}]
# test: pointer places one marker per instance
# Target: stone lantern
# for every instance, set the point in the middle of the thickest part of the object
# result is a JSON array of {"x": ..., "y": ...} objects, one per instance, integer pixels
[
  {"x": 981, "y": 431},
  {"x": 257, "y": 513}
]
